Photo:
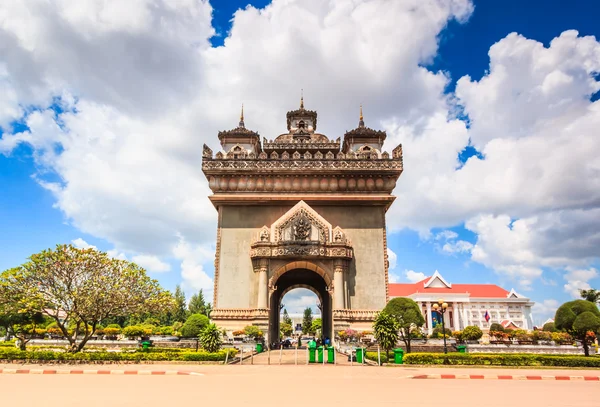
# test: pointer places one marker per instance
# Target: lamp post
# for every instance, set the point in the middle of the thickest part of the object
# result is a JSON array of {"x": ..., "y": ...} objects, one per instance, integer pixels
[{"x": 442, "y": 307}]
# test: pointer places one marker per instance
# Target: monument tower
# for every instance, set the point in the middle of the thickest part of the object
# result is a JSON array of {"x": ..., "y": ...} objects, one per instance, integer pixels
[{"x": 301, "y": 211}]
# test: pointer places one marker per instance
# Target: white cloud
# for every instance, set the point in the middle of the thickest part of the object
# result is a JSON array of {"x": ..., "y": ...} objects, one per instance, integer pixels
[
  {"x": 543, "y": 310},
  {"x": 82, "y": 244},
  {"x": 392, "y": 258},
  {"x": 193, "y": 258},
  {"x": 151, "y": 263},
  {"x": 414, "y": 276},
  {"x": 297, "y": 300},
  {"x": 142, "y": 90},
  {"x": 578, "y": 279}
]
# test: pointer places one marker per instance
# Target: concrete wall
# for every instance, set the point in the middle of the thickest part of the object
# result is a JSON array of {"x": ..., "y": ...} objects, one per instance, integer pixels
[{"x": 364, "y": 225}]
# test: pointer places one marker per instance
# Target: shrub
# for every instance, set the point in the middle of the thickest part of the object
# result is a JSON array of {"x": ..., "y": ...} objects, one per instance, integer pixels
[
  {"x": 472, "y": 333},
  {"x": 373, "y": 356},
  {"x": 133, "y": 331},
  {"x": 562, "y": 338},
  {"x": 210, "y": 338},
  {"x": 541, "y": 336},
  {"x": 238, "y": 333},
  {"x": 458, "y": 335},
  {"x": 500, "y": 360},
  {"x": 252, "y": 331},
  {"x": 171, "y": 355},
  {"x": 437, "y": 333},
  {"x": 163, "y": 330},
  {"x": 549, "y": 327},
  {"x": 194, "y": 325}
]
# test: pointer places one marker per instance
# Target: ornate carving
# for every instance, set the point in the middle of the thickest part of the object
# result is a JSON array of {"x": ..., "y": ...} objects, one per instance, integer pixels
[
  {"x": 338, "y": 235},
  {"x": 329, "y": 155},
  {"x": 307, "y": 156},
  {"x": 285, "y": 156},
  {"x": 302, "y": 228},
  {"x": 262, "y": 156},
  {"x": 264, "y": 234},
  {"x": 258, "y": 166},
  {"x": 217, "y": 258},
  {"x": 238, "y": 313},
  {"x": 219, "y": 155},
  {"x": 206, "y": 152},
  {"x": 301, "y": 113},
  {"x": 318, "y": 155},
  {"x": 397, "y": 152},
  {"x": 295, "y": 144},
  {"x": 296, "y": 155},
  {"x": 274, "y": 155}
]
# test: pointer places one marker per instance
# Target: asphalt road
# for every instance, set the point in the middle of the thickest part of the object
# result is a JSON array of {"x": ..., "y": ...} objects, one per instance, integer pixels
[{"x": 292, "y": 386}]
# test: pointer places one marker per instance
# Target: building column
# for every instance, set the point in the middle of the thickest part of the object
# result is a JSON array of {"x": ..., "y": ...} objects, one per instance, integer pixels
[
  {"x": 429, "y": 321},
  {"x": 338, "y": 285},
  {"x": 263, "y": 285},
  {"x": 466, "y": 314},
  {"x": 455, "y": 316},
  {"x": 480, "y": 318},
  {"x": 525, "y": 319}
]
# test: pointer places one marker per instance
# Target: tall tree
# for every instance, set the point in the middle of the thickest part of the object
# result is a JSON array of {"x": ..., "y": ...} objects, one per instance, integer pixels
[
  {"x": 307, "y": 320},
  {"x": 197, "y": 304},
  {"x": 180, "y": 306},
  {"x": 80, "y": 288},
  {"x": 286, "y": 317},
  {"x": 20, "y": 324},
  {"x": 409, "y": 317},
  {"x": 578, "y": 318},
  {"x": 590, "y": 295},
  {"x": 386, "y": 329}
]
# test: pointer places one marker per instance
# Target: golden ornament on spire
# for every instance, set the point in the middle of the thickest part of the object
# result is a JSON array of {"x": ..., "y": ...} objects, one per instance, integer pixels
[
  {"x": 361, "y": 116},
  {"x": 361, "y": 122},
  {"x": 301, "y": 98},
  {"x": 242, "y": 115}
]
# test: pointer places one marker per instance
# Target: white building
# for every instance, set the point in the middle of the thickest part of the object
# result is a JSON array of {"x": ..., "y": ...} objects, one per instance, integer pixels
[{"x": 467, "y": 303}]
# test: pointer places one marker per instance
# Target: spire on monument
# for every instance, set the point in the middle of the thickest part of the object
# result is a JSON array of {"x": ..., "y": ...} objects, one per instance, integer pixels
[
  {"x": 361, "y": 122},
  {"x": 301, "y": 98},
  {"x": 241, "y": 124}
]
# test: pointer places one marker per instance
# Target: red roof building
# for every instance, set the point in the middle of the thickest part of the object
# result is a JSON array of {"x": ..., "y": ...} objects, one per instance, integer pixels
[{"x": 468, "y": 304}]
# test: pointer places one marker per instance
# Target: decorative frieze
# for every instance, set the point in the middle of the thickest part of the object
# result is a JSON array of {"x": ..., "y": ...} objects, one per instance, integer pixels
[
  {"x": 239, "y": 313},
  {"x": 315, "y": 250},
  {"x": 301, "y": 183},
  {"x": 354, "y": 315}
]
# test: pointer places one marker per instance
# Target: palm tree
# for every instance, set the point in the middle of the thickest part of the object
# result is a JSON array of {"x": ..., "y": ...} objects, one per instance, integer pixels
[{"x": 590, "y": 295}]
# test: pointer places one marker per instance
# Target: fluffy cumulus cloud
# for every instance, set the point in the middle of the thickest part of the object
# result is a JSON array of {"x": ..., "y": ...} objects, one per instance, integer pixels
[
  {"x": 414, "y": 276},
  {"x": 119, "y": 97},
  {"x": 544, "y": 310},
  {"x": 297, "y": 300}
]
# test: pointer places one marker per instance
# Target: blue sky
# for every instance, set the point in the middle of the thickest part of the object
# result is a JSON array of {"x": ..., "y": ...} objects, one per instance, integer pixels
[{"x": 47, "y": 198}]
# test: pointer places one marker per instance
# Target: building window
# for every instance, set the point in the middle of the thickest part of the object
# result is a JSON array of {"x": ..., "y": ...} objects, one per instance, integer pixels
[{"x": 492, "y": 306}]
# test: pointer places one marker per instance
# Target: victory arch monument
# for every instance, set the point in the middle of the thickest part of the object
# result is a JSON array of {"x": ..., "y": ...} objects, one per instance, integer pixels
[{"x": 301, "y": 210}]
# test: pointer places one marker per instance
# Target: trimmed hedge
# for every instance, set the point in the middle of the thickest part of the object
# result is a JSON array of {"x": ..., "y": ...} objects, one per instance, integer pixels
[
  {"x": 44, "y": 355},
  {"x": 373, "y": 356},
  {"x": 501, "y": 359}
]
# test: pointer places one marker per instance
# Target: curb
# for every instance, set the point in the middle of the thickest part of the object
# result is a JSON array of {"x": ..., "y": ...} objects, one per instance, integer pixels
[
  {"x": 101, "y": 372},
  {"x": 504, "y": 377}
]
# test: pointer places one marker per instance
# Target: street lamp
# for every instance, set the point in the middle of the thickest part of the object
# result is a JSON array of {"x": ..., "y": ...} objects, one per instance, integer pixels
[{"x": 442, "y": 307}]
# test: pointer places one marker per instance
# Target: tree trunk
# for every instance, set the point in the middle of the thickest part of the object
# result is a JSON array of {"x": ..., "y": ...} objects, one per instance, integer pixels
[
  {"x": 586, "y": 348},
  {"x": 408, "y": 345}
]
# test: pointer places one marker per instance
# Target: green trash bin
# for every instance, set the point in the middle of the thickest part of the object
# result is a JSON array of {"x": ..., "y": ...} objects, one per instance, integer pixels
[
  {"x": 461, "y": 349},
  {"x": 359, "y": 355},
  {"x": 330, "y": 354},
  {"x": 312, "y": 350},
  {"x": 398, "y": 356},
  {"x": 259, "y": 347},
  {"x": 320, "y": 354},
  {"x": 146, "y": 345}
]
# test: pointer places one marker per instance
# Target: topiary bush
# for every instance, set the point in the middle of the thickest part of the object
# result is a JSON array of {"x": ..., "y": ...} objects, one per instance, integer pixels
[
  {"x": 133, "y": 331},
  {"x": 549, "y": 327},
  {"x": 437, "y": 333},
  {"x": 496, "y": 327},
  {"x": 194, "y": 325},
  {"x": 472, "y": 333}
]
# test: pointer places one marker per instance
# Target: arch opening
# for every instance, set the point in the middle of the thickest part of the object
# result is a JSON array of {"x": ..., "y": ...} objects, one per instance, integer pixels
[{"x": 300, "y": 278}]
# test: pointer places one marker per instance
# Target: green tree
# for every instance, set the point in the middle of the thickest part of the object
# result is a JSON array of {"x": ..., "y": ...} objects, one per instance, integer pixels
[
  {"x": 316, "y": 327},
  {"x": 578, "y": 318},
  {"x": 307, "y": 320},
  {"x": 198, "y": 304},
  {"x": 496, "y": 327},
  {"x": 194, "y": 325},
  {"x": 409, "y": 317},
  {"x": 590, "y": 295},
  {"x": 285, "y": 329},
  {"x": 286, "y": 318},
  {"x": 549, "y": 327},
  {"x": 386, "y": 329},
  {"x": 78, "y": 288},
  {"x": 210, "y": 338},
  {"x": 179, "y": 310},
  {"x": 21, "y": 324}
]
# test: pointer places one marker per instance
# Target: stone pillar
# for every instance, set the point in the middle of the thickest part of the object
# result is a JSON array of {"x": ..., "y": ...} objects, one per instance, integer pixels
[
  {"x": 429, "y": 321},
  {"x": 261, "y": 267},
  {"x": 338, "y": 286},
  {"x": 466, "y": 313},
  {"x": 455, "y": 312}
]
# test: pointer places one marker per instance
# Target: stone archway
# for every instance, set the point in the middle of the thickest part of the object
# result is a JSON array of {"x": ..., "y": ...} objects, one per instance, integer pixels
[{"x": 295, "y": 278}]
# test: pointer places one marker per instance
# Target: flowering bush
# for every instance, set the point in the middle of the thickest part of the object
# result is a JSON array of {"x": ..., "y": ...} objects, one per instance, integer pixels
[
  {"x": 562, "y": 338},
  {"x": 542, "y": 336},
  {"x": 238, "y": 333}
]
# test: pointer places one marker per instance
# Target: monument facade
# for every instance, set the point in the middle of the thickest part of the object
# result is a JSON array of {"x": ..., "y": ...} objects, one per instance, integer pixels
[{"x": 301, "y": 210}]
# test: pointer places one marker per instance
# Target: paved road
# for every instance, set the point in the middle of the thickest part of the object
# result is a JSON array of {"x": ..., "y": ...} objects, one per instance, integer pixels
[{"x": 261, "y": 385}]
